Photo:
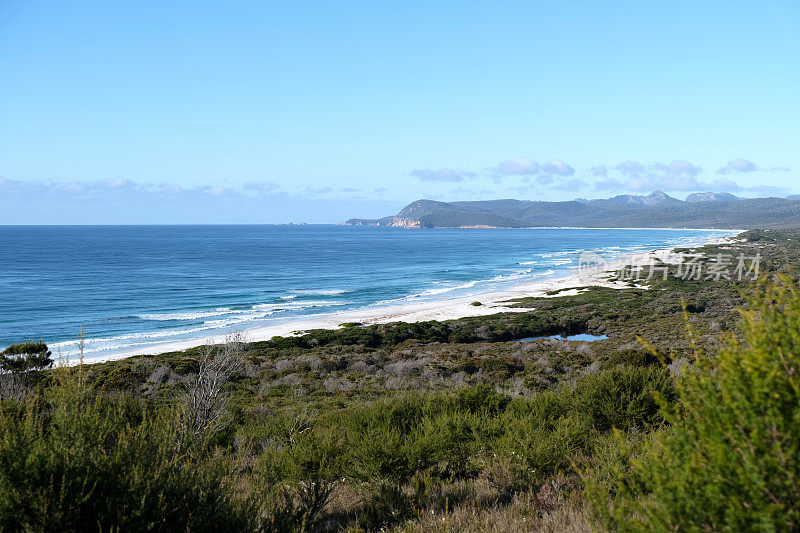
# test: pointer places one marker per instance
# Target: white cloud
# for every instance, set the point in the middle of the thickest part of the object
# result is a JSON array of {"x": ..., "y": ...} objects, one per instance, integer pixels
[
  {"x": 120, "y": 188},
  {"x": 123, "y": 201},
  {"x": 678, "y": 168},
  {"x": 520, "y": 166},
  {"x": 558, "y": 167},
  {"x": 319, "y": 190},
  {"x": 599, "y": 170},
  {"x": 738, "y": 165},
  {"x": 677, "y": 175},
  {"x": 261, "y": 187},
  {"x": 630, "y": 168}
]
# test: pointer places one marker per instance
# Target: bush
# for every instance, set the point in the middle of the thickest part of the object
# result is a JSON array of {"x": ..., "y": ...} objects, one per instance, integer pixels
[
  {"x": 634, "y": 357},
  {"x": 623, "y": 397},
  {"x": 388, "y": 448},
  {"x": 297, "y": 474},
  {"x": 75, "y": 460},
  {"x": 542, "y": 448},
  {"x": 481, "y": 399},
  {"x": 731, "y": 458}
]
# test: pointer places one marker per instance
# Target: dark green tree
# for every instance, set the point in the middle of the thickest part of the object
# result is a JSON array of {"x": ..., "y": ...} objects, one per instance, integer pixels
[{"x": 25, "y": 356}]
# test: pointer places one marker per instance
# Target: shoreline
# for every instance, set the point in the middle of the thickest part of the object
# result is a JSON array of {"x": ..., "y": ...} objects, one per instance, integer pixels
[{"x": 492, "y": 302}]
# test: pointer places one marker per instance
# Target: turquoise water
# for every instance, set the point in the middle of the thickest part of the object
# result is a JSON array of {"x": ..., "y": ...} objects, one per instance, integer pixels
[
  {"x": 585, "y": 337},
  {"x": 134, "y": 286}
]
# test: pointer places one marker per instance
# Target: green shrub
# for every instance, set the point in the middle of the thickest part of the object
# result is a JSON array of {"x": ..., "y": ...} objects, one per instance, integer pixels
[
  {"x": 383, "y": 451},
  {"x": 122, "y": 378},
  {"x": 184, "y": 365},
  {"x": 75, "y": 460},
  {"x": 633, "y": 357},
  {"x": 297, "y": 473},
  {"x": 623, "y": 397},
  {"x": 541, "y": 449},
  {"x": 481, "y": 399},
  {"x": 730, "y": 460}
]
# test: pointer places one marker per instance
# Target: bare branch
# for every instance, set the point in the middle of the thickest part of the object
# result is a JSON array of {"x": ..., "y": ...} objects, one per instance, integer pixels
[{"x": 205, "y": 402}]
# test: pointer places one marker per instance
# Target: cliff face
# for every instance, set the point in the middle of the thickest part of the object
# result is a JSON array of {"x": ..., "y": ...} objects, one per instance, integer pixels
[
  {"x": 405, "y": 222},
  {"x": 391, "y": 222}
]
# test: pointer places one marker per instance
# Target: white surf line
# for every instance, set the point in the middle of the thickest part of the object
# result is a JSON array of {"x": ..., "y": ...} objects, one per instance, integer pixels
[{"x": 439, "y": 310}]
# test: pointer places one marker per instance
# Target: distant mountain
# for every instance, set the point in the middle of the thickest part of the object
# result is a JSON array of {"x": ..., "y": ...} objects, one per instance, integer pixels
[
  {"x": 711, "y": 197},
  {"x": 659, "y": 210},
  {"x": 654, "y": 198}
]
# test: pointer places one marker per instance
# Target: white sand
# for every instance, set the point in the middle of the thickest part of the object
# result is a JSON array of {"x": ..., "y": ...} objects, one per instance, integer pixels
[{"x": 491, "y": 303}]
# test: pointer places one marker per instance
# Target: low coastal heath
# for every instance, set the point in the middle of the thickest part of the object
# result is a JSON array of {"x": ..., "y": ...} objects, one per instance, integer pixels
[{"x": 150, "y": 289}]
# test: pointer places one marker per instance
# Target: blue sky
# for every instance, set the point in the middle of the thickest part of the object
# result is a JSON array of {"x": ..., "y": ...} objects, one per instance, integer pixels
[{"x": 262, "y": 112}]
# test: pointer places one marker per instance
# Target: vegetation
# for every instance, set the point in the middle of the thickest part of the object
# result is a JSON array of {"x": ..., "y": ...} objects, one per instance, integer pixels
[
  {"x": 21, "y": 367},
  {"x": 437, "y": 426},
  {"x": 25, "y": 356},
  {"x": 73, "y": 456},
  {"x": 729, "y": 456},
  {"x": 72, "y": 459}
]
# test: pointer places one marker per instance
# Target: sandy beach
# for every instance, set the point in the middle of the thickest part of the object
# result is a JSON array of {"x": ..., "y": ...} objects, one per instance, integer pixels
[{"x": 569, "y": 283}]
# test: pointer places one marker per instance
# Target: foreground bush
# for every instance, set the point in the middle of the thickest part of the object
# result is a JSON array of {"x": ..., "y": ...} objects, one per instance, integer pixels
[
  {"x": 730, "y": 459},
  {"x": 75, "y": 460}
]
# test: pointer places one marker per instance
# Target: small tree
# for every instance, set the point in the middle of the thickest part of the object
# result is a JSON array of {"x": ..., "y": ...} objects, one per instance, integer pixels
[
  {"x": 25, "y": 357},
  {"x": 20, "y": 365}
]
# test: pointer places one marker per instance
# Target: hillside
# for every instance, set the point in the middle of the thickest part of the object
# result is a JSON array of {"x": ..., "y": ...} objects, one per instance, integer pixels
[{"x": 707, "y": 210}]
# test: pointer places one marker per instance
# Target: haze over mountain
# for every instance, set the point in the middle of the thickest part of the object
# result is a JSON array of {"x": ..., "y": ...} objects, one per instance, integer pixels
[{"x": 656, "y": 210}]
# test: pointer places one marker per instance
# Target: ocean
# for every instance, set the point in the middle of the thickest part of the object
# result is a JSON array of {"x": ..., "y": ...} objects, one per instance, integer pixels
[{"x": 130, "y": 287}]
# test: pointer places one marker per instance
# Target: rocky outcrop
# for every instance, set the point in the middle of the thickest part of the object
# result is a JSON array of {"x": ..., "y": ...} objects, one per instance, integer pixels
[{"x": 405, "y": 222}]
